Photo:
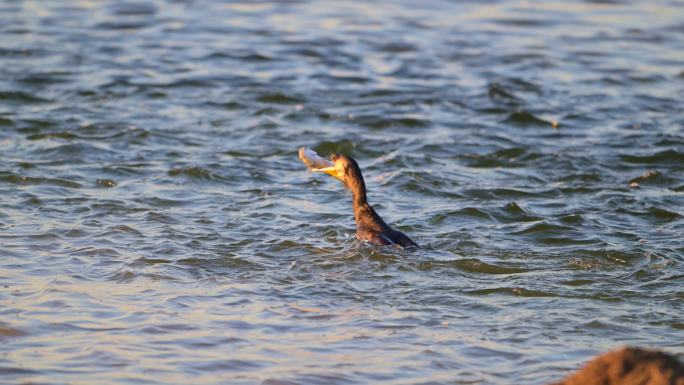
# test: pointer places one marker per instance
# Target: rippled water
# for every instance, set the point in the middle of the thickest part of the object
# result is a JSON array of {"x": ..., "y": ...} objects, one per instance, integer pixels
[{"x": 156, "y": 225}]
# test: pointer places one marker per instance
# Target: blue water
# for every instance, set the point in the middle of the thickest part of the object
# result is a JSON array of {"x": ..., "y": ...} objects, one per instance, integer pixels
[{"x": 157, "y": 226}]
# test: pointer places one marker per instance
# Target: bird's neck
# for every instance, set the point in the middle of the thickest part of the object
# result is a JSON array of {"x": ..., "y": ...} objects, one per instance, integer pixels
[
  {"x": 358, "y": 202},
  {"x": 358, "y": 190}
]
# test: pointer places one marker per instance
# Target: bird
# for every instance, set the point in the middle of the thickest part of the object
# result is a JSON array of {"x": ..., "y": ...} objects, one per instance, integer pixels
[{"x": 369, "y": 226}]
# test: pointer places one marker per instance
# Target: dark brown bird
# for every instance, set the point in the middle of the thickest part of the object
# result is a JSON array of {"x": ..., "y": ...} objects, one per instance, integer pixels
[{"x": 369, "y": 226}]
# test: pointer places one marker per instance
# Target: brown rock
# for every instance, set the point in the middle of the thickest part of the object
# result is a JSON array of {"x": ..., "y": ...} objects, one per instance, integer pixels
[{"x": 629, "y": 366}]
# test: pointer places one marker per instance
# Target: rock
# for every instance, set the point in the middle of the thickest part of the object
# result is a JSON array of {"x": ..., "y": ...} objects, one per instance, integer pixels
[{"x": 629, "y": 366}]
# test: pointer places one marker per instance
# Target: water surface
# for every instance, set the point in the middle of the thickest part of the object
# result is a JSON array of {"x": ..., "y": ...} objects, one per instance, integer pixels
[{"x": 156, "y": 226}]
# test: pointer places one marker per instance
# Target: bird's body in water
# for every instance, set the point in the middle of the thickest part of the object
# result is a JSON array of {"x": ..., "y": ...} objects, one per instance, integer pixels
[{"x": 369, "y": 226}]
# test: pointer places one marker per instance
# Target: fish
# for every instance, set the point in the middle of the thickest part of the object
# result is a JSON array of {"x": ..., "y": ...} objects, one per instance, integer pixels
[{"x": 312, "y": 160}]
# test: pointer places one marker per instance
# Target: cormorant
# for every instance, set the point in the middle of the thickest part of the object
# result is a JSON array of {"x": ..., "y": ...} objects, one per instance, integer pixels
[{"x": 369, "y": 226}]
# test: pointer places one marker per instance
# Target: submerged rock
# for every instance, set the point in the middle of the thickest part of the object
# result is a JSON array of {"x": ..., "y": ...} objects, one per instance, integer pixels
[{"x": 629, "y": 366}]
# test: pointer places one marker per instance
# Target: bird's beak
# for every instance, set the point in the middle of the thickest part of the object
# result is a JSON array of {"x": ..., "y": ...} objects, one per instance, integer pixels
[{"x": 332, "y": 171}]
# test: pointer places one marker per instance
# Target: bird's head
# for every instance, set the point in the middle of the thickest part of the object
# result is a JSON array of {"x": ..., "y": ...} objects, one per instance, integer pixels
[{"x": 344, "y": 168}]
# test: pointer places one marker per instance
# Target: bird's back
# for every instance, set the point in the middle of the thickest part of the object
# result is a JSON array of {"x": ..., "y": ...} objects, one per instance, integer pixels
[{"x": 370, "y": 227}]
